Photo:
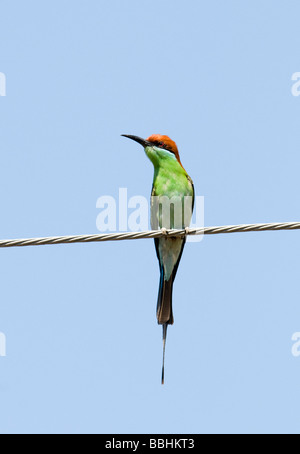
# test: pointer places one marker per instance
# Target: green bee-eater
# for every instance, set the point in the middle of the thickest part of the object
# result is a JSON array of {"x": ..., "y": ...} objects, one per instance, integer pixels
[{"x": 172, "y": 201}]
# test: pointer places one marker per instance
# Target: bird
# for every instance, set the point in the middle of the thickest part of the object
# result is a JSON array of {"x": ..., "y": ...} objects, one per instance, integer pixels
[{"x": 172, "y": 203}]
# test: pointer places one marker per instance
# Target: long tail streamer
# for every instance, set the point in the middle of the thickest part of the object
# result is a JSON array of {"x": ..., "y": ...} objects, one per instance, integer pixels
[{"x": 165, "y": 326}]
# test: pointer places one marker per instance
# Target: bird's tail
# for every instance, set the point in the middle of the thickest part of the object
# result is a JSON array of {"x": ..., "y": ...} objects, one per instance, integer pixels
[{"x": 164, "y": 312}]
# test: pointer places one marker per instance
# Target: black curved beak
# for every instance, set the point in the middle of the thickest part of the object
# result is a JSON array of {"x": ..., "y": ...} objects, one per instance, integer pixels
[{"x": 137, "y": 139}]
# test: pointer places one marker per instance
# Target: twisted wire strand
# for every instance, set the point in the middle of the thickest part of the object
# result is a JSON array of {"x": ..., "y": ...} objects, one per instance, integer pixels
[{"x": 70, "y": 239}]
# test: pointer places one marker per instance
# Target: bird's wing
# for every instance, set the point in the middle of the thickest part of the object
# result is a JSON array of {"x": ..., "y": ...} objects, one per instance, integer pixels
[{"x": 193, "y": 201}]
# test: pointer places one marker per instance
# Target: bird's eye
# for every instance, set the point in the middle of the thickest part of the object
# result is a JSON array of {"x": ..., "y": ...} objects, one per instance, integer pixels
[{"x": 160, "y": 144}]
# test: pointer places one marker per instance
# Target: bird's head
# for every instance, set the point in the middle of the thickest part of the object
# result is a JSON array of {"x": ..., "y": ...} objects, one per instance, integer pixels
[{"x": 157, "y": 146}]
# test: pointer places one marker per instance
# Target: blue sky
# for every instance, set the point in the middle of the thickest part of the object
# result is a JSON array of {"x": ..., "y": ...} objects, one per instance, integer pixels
[{"x": 83, "y": 349}]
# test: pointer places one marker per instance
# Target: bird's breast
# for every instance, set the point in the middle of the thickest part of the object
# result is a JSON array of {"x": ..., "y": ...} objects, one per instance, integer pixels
[{"x": 171, "y": 201}]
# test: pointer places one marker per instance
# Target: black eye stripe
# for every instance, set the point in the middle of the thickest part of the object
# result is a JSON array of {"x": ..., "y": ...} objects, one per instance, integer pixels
[{"x": 163, "y": 146}]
